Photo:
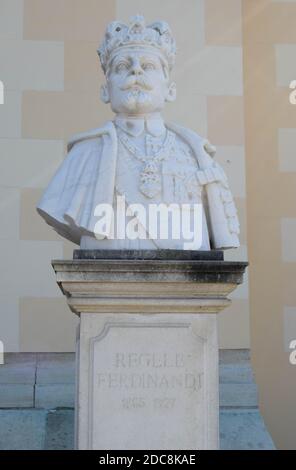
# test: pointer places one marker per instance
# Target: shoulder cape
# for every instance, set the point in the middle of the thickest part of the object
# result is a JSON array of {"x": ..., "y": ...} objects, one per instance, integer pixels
[{"x": 86, "y": 178}]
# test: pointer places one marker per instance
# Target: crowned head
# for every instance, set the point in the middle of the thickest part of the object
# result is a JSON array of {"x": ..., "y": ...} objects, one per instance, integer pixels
[{"x": 137, "y": 60}]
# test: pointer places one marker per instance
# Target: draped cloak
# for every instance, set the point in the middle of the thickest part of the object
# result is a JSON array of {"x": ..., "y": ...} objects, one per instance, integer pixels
[{"x": 87, "y": 178}]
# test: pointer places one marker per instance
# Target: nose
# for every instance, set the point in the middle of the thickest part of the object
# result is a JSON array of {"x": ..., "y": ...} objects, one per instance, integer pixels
[{"x": 136, "y": 68}]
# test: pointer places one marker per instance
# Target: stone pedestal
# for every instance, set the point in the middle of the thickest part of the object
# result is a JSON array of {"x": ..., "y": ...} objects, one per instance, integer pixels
[{"x": 147, "y": 351}]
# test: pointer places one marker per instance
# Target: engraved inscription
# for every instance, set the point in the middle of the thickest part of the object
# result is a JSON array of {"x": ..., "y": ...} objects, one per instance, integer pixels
[
  {"x": 163, "y": 372},
  {"x": 149, "y": 374}
]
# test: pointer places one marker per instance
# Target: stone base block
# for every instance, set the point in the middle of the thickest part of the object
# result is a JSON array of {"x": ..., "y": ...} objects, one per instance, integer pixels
[
  {"x": 148, "y": 382},
  {"x": 147, "y": 369}
]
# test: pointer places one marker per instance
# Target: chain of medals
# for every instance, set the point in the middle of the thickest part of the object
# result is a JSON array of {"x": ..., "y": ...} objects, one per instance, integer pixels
[{"x": 150, "y": 179}]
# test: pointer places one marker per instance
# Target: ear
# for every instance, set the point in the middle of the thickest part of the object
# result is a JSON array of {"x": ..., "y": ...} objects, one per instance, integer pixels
[
  {"x": 104, "y": 93},
  {"x": 172, "y": 92}
]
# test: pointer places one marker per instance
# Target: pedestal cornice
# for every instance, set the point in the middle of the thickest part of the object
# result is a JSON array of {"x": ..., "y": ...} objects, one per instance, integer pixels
[{"x": 139, "y": 284}]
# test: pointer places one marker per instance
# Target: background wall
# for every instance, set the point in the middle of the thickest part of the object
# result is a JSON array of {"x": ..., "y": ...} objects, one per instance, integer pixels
[
  {"x": 269, "y": 45},
  {"x": 234, "y": 64}
]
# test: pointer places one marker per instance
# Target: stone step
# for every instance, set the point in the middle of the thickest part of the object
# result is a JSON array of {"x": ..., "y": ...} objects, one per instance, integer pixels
[
  {"x": 43, "y": 383},
  {"x": 16, "y": 395},
  {"x": 238, "y": 395},
  {"x": 243, "y": 430},
  {"x": 18, "y": 368},
  {"x": 49, "y": 396},
  {"x": 236, "y": 373},
  {"x": 54, "y": 430},
  {"x": 234, "y": 356},
  {"x": 22, "y": 429},
  {"x": 47, "y": 380}
]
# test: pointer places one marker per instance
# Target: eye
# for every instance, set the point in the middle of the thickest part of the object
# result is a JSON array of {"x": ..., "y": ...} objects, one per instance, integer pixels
[
  {"x": 148, "y": 66},
  {"x": 121, "y": 67}
]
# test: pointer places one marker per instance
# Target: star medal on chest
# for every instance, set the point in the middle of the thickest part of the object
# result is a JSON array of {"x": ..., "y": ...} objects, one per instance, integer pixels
[{"x": 150, "y": 178}]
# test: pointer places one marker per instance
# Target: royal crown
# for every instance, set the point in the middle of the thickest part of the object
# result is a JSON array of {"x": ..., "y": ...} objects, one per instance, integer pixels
[{"x": 157, "y": 35}]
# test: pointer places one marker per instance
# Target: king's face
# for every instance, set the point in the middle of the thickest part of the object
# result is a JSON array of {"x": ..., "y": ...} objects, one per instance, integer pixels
[{"x": 137, "y": 82}]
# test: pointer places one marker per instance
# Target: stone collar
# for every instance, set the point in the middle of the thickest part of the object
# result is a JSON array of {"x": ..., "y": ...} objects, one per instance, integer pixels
[{"x": 136, "y": 126}]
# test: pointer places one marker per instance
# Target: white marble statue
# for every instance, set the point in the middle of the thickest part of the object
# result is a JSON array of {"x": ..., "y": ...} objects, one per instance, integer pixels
[{"x": 138, "y": 157}]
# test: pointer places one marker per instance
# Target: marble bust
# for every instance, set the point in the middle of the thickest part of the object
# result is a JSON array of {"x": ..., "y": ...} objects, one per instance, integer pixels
[{"x": 137, "y": 158}]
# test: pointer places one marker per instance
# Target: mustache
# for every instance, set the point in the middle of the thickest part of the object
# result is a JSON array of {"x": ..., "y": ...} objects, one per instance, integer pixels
[{"x": 132, "y": 81}]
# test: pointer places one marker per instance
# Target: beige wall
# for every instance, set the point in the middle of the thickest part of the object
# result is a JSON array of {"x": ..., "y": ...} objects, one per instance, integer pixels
[
  {"x": 269, "y": 44},
  {"x": 233, "y": 70}
]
